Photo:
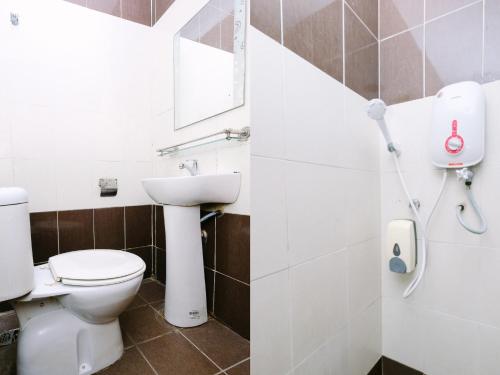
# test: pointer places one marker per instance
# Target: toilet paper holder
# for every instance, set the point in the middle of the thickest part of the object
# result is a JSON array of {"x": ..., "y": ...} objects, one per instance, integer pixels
[{"x": 109, "y": 187}]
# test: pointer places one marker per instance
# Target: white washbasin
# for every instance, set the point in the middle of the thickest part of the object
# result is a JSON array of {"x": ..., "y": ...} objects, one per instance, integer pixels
[
  {"x": 194, "y": 190},
  {"x": 185, "y": 296}
]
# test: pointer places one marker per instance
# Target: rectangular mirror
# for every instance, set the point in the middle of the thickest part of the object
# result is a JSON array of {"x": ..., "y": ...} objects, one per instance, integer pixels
[{"x": 209, "y": 62}]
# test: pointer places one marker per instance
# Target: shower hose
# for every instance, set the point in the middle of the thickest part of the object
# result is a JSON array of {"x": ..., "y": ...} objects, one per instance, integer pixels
[{"x": 421, "y": 223}]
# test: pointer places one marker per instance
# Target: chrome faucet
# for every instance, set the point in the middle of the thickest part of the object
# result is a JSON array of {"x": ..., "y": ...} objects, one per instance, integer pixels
[{"x": 191, "y": 166}]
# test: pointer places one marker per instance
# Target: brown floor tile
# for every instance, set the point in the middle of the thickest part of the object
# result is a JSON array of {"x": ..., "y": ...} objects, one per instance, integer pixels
[
  {"x": 144, "y": 323},
  {"x": 159, "y": 307},
  {"x": 131, "y": 363},
  {"x": 173, "y": 354},
  {"x": 218, "y": 342},
  {"x": 8, "y": 360},
  {"x": 241, "y": 369},
  {"x": 137, "y": 302},
  {"x": 127, "y": 342},
  {"x": 152, "y": 292}
]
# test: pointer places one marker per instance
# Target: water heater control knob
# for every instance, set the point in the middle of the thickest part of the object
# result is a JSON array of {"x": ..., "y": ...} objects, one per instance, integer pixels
[{"x": 454, "y": 144}]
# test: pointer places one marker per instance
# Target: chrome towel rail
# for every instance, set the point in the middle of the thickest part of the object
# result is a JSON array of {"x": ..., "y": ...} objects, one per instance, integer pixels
[{"x": 224, "y": 135}]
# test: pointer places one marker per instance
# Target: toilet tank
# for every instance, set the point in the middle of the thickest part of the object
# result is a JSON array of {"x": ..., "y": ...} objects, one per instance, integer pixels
[{"x": 16, "y": 258}]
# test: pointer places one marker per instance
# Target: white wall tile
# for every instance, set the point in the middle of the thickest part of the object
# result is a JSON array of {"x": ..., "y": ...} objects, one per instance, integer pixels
[
  {"x": 38, "y": 177},
  {"x": 314, "y": 104},
  {"x": 362, "y": 216},
  {"x": 6, "y": 172},
  {"x": 365, "y": 343},
  {"x": 74, "y": 184},
  {"x": 331, "y": 358},
  {"x": 488, "y": 280},
  {"x": 317, "y": 209},
  {"x": 489, "y": 352},
  {"x": 266, "y": 81},
  {"x": 269, "y": 217},
  {"x": 402, "y": 335},
  {"x": 492, "y": 153},
  {"x": 364, "y": 275},
  {"x": 359, "y": 146},
  {"x": 451, "y": 283},
  {"x": 451, "y": 345},
  {"x": 319, "y": 302},
  {"x": 270, "y": 329}
]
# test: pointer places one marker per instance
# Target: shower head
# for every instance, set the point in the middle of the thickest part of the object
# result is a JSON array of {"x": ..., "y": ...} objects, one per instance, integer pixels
[{"x": 376, "y": 111}]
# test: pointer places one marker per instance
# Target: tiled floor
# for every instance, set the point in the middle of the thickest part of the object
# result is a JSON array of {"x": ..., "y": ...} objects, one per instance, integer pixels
[{"x": 152, "y": 346}]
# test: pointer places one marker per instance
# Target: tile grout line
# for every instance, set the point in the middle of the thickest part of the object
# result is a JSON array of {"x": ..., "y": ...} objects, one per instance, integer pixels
[
  {"x": 379, "y": 48},
  {"x": 57, "y": 229},
  {"x": 360, "y": 20},
  {"x": 343, "y": 45},
  {"x": 201, "y": 351},
  {"x": 483, "y": 46},
  {"x": 424, "y": 51},
  {"x": 237, "y": 364},
  {"x": 230, "y": 277},
  {"x": 215, "y": 265},
  {"x": 431, "y": 20},
  {"x": 146, "y": 359}
]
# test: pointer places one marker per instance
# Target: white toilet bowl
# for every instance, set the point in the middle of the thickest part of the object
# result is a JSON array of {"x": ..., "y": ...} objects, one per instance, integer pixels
[{"x": 69, "y": 321}]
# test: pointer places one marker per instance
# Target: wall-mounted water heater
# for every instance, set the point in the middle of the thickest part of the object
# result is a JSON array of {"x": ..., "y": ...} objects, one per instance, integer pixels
[{"x": 458, "y": 122}]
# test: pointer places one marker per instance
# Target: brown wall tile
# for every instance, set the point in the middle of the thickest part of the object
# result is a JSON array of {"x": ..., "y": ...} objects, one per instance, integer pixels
[
  {"x": 265, "y": 15},
  {"x": 210, "y": 18},
  {"x": 233, "y": 246},
  {"x": 159, "y": 229},
  {"x": 137, "y": 11},
  {"x": 78, "y": 2},
  {"x": 390, "y": 367},
  {"x": 492, "y": 41},
  {"x": 361, "y": 57},
  {"x": 435, "y": 8},
  {"x": 105, "y": 6},
  {"x": 367, "y": 10},
  {"x": 76, "y": 230},
  {"x": 161, "y": 6},
  {"x": 138, "y": 226},
  {"x": 43, "y": 235},
  {"x": 377, "y": 369},
  {"x": 209, "y": 244},
  {"x": 146, "y": 254},
  {"x": 227, "y": 33},
  {"x": 327, "y": 35},
  {"x": 400, "y": 15},
  {"x": 454, "y": 49},
  {"x": 109, "y": 228},
  {"x": 313, "y": 30},
  {"x": 401, "y": 67},
  {"x": 160, "y": 265},
  {"x": 209, "y": 289},
  {"x": 232, "y": 304}
]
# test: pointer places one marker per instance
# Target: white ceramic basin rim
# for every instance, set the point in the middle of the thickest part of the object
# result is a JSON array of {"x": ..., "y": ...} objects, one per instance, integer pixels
[{"x": 194, "y": 190}]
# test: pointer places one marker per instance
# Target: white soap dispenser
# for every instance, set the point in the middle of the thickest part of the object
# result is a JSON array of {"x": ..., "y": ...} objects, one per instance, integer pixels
[{"x": 402, "y": 246}]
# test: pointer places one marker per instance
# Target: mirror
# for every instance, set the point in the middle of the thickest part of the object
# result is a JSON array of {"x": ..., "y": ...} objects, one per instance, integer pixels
[{"x": 209, "y": 62}]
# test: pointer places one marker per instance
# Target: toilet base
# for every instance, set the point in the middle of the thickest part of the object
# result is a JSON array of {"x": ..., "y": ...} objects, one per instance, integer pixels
[{"x": 53, "y": 341}]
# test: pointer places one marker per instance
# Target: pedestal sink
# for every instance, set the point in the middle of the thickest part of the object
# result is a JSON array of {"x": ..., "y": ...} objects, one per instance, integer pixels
[{"x": 185, "y": 299}]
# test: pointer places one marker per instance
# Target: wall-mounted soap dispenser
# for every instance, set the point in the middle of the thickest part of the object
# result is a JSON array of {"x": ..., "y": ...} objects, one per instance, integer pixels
[{"x": 402, "y": 246}]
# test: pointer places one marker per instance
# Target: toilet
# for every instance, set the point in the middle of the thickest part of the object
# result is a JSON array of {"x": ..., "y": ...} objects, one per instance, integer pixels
[{"x": 68, "y": 308}]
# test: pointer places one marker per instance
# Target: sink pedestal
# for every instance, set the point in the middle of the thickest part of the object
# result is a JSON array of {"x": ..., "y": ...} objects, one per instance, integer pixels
[{"x": 185, "y": 298}]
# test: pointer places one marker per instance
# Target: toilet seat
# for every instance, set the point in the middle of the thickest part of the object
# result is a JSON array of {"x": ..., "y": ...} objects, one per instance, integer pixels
[{"x": 95, "y": 267}]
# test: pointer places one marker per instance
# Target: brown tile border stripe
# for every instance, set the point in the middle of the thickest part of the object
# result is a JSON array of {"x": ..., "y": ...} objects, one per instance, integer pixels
[
  {"x": 146, "y": 12},
  {"x": 387, "y": 366}
]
